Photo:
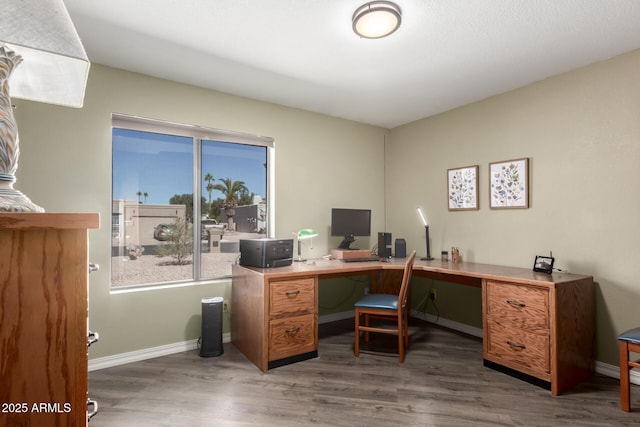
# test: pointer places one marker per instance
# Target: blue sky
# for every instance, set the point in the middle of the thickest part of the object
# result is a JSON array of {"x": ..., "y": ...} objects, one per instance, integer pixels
[{"x": 162, "y": 165}]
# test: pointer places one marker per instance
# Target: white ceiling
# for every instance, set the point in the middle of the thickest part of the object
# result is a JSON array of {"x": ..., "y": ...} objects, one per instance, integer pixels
[{"x": 304, "y": 54}]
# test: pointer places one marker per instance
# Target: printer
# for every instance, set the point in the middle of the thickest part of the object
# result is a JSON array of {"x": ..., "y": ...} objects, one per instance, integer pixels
[{"x": 266, "y": 252}]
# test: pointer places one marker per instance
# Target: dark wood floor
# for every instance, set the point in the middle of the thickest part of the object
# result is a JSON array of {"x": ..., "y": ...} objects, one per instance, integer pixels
[{"x": 441, "y": 383}]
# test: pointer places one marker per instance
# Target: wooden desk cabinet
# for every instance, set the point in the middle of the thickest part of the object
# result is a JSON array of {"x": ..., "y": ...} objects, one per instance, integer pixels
[
  {"x": 537, "y": 326},
  {"x": 43, "y": 318},
  {"x": 275, "y": 321},
  {"x": 293, "y": 318},
  {"x": 545, "y": 331}
]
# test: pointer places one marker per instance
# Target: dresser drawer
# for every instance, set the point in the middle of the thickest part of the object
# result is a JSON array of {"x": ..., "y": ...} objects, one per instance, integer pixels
[
  {"x": 292, "y": 336},
  {"x": 525, "y": 306},
  {"x": 292, "y": 297},
  {"x": 518, "y": 349}
]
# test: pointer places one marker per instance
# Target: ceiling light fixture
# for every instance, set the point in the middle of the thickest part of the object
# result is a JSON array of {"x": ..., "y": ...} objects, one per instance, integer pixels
[{"x": 376, "y": 19}]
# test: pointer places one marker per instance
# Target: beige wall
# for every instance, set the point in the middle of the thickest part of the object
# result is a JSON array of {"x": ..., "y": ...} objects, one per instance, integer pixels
[
  {"x": 581, "y": 132},
  {"x": 65, "y": 166}
]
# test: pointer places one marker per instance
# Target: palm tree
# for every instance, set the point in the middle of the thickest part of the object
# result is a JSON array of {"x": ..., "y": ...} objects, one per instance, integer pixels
[
  {"x": 139, "y": 193},
  {"x": 145, "y": 196},
  {"x": 210, "y": 187},
  {"x": 231, "y": 190}
]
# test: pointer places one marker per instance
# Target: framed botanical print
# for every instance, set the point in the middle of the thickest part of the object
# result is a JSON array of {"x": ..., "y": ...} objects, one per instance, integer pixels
[
  {"x": 462, "y": 188},
  {"x": 509, "y": 184}
]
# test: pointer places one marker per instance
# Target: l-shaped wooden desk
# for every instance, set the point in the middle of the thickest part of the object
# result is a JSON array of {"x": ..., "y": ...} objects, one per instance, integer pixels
[{"x": 536, "y": 324}]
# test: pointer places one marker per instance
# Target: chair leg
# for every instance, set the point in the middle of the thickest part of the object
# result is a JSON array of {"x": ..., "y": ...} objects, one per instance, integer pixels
[
  {"x": 406, "y": 330},
  {"x": 625, "y": 398},
  {"x": 356, "y": 345},
  {"x": 366, "y": 323},
  {"x": 401, "y": 339}
]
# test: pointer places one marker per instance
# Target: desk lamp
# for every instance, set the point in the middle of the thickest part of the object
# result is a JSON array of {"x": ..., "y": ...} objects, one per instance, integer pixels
[
  {"x": 303, "y": 234},
  {"x": 428, "y": 257},
  {"x": 39, "y": 36}
]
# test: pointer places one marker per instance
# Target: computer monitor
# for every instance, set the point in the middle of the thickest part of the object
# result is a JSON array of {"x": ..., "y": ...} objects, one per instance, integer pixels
[{"x": 349, "y": 223}]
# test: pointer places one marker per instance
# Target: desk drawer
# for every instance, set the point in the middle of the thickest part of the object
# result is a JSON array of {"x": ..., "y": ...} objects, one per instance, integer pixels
[
  {"x": 519, "y": 349},
  {"x": 292, "y": 336},
  {"x": 525, "y": 306},
  {"x": 292, "y": 297}
]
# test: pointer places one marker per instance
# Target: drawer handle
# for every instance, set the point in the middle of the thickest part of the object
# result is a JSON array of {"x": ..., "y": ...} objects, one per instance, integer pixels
[
  {"x": 516, "y": 303},
  {"x": 516, "y": 345},
  {"x": 93, "y": 413},
  {"x": 292, "y": 330},
  {"x": 291, "y": 293},
  {"x": 92, "y": 337}
]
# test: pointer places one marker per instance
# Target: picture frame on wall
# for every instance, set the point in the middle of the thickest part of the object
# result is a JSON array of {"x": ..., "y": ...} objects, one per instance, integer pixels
[
  {"x": 462, "y": 188},
  {"x": 509, "y": 184}
]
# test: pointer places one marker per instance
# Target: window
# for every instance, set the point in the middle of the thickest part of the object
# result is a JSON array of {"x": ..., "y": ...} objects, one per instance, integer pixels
[{"x": 161, "y": 233}]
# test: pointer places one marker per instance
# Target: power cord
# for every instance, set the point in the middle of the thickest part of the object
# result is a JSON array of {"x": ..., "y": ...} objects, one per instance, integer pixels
[{"x": 424, "y": 304}]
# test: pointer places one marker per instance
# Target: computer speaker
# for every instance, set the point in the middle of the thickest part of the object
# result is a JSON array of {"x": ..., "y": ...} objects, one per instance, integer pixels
[
  {"x": 384, "y": 245},
  {"x": 401, "y": 248}
]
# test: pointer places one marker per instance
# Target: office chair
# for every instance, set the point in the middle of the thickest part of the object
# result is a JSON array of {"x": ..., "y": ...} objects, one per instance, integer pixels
[
  {"x": 629, "y": 341},
  {"x": 389, "y": 307}
]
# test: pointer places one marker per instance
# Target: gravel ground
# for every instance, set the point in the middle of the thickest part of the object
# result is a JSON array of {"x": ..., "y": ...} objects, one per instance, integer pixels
[
  {"x": 154, "y": 269},
  {"x": 149, "y": 269}
]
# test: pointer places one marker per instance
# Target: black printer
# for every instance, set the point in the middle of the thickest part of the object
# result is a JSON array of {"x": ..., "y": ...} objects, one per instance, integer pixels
[{"x": 266, "y": 252}]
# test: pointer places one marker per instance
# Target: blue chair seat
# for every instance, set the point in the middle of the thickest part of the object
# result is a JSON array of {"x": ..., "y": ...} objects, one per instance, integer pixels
[
  {"x": 632, "y": 336},
  {"x": 383, "y": 301}
]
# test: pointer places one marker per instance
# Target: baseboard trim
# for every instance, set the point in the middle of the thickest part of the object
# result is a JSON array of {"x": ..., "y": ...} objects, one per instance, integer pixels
[
  {"x": 328, "y": 318},
  {"x": 164, "y": 350},
  {"x": 146, "y": 353},
  {"x": 449, "y": 324}
]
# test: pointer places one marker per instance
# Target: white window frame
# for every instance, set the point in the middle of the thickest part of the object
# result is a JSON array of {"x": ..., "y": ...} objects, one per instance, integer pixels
[{"x": 199, "y": 133}]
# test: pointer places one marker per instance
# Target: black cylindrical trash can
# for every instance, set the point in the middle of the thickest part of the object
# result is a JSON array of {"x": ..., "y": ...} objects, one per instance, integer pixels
[{"x": 211, "y": 339}]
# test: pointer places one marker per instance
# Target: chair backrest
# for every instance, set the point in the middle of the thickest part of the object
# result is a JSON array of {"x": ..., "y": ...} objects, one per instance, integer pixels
[{"x": 406, "y": 279}]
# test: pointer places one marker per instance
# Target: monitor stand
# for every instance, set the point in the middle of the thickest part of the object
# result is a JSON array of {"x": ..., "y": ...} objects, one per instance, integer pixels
[{"x": 350, "y": 253}]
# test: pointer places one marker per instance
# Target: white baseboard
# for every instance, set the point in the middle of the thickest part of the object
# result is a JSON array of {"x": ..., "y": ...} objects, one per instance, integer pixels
[
  {"x": 328, "y": 318},
  {"x": 146, "y": 353},
  {"x": 164, "y": 350},
  {"x": 449, "y": 324}
]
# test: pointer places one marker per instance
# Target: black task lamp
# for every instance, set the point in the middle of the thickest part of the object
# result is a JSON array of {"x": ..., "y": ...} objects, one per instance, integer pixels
[{"x": 426, "y": 229}]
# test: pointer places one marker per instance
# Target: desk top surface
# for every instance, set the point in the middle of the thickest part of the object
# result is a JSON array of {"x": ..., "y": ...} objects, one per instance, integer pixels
[{"x": 437, "y": 268}]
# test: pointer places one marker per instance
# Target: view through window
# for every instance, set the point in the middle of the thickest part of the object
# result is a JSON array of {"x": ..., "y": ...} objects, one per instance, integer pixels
[{"x": 161, "y": 233}]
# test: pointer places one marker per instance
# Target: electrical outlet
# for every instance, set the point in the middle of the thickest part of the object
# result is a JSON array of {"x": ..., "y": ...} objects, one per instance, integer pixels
[
  {"x": 225, "y": 308},
  {"x": 432, "y": 294}
]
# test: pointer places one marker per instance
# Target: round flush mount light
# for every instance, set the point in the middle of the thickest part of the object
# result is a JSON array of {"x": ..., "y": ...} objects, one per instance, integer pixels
[{"x": 376, "y": 19}]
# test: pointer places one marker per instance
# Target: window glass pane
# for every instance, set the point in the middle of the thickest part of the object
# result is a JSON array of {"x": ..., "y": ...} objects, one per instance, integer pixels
[
  {"x": 234, "y": 190},
  {"x": 160, "y": 233},
  {"x": 152, "y": 189}
]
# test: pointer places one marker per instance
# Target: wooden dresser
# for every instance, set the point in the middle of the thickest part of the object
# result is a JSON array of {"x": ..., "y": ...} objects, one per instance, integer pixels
[
  {"x": 43, "y": 318},
  {"x": 537, "y": 326}
]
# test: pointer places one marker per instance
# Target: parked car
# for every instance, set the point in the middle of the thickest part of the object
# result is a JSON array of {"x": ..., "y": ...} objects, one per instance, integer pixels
[
  {"x": 209, "y": 224},
  {"x": 163, "y": 231}
]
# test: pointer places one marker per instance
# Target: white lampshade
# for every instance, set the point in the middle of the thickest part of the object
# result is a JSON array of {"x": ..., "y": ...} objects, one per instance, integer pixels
[{"x": 54, "y": 67}]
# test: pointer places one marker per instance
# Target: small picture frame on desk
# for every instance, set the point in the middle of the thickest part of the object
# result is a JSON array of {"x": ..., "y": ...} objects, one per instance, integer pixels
[{"x": 543, "y": 264}]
